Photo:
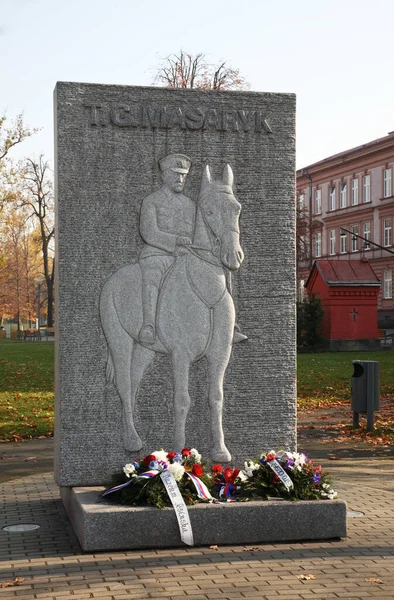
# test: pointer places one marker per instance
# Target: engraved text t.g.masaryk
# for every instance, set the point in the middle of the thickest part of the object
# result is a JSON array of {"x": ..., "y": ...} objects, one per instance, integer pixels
[
  {"x": 192, "y": 313},
  {"x": 193, "y": 118}
]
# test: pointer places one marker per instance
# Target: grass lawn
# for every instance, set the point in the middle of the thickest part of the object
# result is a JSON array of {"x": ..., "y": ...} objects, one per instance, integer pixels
[
  {"x": 324, "y": 378},
  {"x": 26, "y": 384},
  {"x": 26, "y": 389}
]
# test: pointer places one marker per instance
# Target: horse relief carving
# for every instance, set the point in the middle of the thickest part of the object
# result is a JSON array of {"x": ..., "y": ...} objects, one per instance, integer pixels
[{"x": 177, "y": 298}]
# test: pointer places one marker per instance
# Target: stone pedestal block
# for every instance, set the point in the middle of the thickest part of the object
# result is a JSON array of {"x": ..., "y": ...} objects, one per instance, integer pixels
[{"x": 104, "y": 526}]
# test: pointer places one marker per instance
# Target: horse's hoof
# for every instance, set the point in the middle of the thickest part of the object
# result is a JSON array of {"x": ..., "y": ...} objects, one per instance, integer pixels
[
  {"x": 222, "y": 455},
  {"x": 133, "y": 444}
]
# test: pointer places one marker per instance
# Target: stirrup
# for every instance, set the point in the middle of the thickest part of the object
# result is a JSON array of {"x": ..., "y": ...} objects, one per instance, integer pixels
[
  {"x": 147, "y": 334},
  {"x": 238, "y": 336}
]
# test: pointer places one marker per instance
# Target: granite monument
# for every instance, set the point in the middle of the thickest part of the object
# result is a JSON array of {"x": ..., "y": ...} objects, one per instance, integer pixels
[{"x": 159, "y": 275}]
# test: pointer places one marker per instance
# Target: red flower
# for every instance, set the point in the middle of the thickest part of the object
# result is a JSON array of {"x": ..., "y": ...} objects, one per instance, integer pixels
[
  {"x": 186, "y": 452},
  {"x": 217, "y": 469},
  {"x": 229, "y": 475},
  {"x": 197, "y": 470},
  {"x": 171, "y": 455},
  {"x": 149, "y": 459},
  {"x": 270, "y": 457}
]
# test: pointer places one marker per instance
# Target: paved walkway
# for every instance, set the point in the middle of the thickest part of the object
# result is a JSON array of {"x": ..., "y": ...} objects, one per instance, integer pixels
[{"x": 50, "y": 564}]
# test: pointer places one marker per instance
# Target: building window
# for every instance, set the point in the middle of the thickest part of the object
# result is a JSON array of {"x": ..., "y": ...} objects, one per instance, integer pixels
[
  {"x": 354, "y": 192},
  {"x": 388, "y": 284},
  {"x": 343, "y": 198},
  {"x": 318, "y": 244},
  {"x": 386, "y": 183},
  {"x": 367, "y": 188},
  {"x": 386, "y": 232},
  {"x": 317, "y": 202},
  {"x": 367, "y": 235},
  {"x": 332, "y": 242},
  {"x": 332, "y": 205},
  {"x": 301, "y": 201},
  {"x": 354, "y": 242},
  {"x": 342, "y": 242}
]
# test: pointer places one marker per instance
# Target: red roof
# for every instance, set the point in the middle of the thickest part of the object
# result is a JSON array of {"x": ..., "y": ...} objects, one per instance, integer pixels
[{"x": 345, "y": 272}]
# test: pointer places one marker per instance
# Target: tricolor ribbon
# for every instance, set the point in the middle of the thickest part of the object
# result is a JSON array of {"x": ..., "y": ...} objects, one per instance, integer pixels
[
  {"x": 146, "y": 475},
  {"x": 281, "y": 473},
  {"x": 201, "y": 488},
  {"x": 228, "y": 486}
]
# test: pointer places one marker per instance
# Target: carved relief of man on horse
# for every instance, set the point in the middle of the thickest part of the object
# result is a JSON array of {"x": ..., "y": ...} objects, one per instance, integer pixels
[{"x": 177, "y": 299}]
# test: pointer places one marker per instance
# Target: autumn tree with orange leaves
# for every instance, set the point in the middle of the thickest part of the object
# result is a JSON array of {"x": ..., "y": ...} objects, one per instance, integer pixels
[{"x": 20, "y": 258}]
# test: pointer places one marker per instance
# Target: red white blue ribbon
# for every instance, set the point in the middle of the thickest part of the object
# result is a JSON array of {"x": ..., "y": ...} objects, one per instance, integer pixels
[
  {"x": 201, "y": 488},
  {"x": 117, "y": 487},
  {"x": 146, "y": 475}
]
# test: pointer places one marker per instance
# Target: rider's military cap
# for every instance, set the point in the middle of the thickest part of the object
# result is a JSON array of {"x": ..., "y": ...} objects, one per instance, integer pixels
[{"x": 176, "y": 162}]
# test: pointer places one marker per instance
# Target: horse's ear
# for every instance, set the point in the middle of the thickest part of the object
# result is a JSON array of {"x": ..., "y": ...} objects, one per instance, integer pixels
[
  {"x": 206, "y": 177},
  {"x": 228, "y": 176}
]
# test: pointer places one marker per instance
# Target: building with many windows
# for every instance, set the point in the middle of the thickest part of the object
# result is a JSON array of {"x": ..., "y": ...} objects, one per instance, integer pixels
[{"x": 345, "y": 206}]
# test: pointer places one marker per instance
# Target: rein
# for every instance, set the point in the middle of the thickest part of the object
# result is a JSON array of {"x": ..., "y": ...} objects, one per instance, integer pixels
[{"x": 217, "y": 242}]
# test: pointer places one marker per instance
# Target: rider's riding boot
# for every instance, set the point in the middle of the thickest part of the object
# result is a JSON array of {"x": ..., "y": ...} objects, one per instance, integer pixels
[
  {"x": 147, "y": 333},
  {"x": 237, "y": 335}
]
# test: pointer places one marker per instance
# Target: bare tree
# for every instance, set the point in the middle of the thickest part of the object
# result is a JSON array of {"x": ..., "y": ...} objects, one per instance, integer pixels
[
  {"x": 184, "y": 70},
  {"x": 38, "y": 198}
]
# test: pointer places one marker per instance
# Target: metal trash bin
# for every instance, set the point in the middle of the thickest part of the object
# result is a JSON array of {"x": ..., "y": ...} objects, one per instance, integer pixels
[{"x": 365, "y": 386}]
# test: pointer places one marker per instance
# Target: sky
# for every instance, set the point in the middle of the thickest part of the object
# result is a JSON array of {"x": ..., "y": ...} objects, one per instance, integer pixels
[{"x": 335, "y": 55}]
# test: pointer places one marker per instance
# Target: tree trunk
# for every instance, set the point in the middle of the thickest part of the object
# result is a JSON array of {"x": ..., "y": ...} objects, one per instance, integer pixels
[{"x": 50, "y": 290}]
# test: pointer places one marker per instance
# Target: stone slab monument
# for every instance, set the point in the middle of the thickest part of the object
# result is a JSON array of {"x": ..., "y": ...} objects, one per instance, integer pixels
[
  {"x": 175, "y": 302},
  {"x": 175, "y": 275}
]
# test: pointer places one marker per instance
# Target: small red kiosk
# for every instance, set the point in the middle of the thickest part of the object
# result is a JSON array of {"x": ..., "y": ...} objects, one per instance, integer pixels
[{"x": 348, "y": 290}]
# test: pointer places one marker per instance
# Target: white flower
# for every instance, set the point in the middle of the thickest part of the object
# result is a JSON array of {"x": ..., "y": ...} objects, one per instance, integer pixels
[
  {"x": 250, "y": 467},
  {"x": 129, "y": 469},
  {"x": 176, "y": 470},
  {"x": 328, "y": 492},
  {"x": 196, "y": 456},
  {"x": 242, "y": 476},
  {"x": 160, "y": 455},
  {"x": 299, "y": 460}
]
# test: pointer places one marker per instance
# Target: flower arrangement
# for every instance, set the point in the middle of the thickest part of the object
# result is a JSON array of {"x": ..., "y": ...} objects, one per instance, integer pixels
[
  {"x": 288, "y": 475},
  {"x": 139, "y": 482}
]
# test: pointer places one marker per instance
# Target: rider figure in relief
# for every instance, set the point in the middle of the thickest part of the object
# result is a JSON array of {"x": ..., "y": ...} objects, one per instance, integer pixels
[{"x": 166, "y": 222}]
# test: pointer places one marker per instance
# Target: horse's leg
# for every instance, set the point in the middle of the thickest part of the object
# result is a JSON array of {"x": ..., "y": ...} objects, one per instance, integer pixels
[
  {"x": 141, "y": 359},
  {"x": 218, "y": 356},
  {"x": 180, "y": 369},
  {"x": 121, "y": 350}
]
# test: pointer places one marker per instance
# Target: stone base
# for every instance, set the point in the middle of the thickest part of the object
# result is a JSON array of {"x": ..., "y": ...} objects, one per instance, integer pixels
[{"x": 101, "y": 525}]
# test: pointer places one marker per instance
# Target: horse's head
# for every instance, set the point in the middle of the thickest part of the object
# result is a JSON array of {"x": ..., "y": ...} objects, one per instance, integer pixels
[{"x": 220, "y": 211}]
